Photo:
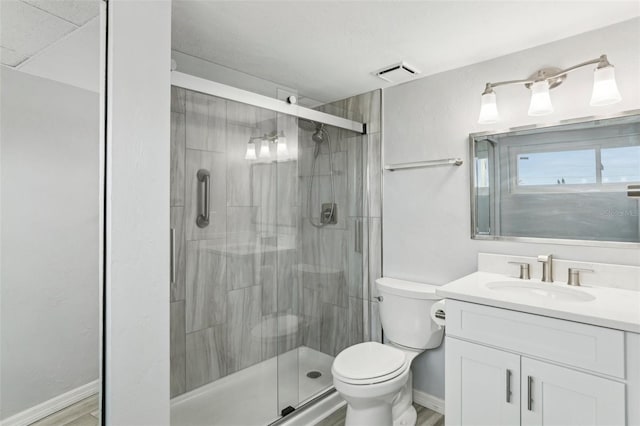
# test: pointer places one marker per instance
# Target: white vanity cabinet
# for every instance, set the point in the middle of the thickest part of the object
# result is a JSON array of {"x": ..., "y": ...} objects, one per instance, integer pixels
[
  {"x": 482, "y": 385},
  {"x": 505, "y": 367},
  {"x": 554, "y": 395}
]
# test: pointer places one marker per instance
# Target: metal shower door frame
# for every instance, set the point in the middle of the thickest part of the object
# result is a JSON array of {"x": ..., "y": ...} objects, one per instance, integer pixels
[{"x": 197, "y": 84}]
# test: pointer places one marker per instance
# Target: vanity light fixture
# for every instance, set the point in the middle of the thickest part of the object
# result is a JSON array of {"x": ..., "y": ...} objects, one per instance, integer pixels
[
  {"x": 251, "y": 151},
  {"x": 605, "y": 89},
  {"x": 282, "y": 150},
  {"x": 264, "y": 149},
  {"x": 540, "y": 99},
  {"x": 280, "y": 140}
]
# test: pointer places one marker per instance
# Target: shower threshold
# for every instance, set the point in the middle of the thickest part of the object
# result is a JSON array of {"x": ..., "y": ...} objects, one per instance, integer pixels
[{"x": 255, "y": 396}]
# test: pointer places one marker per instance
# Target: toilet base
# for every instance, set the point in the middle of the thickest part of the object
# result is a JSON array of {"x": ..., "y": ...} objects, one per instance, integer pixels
[
  {"x": 378, "y": 414},
  {"x": 403, "y": 412},
  {"x": 408, "y": 418}
]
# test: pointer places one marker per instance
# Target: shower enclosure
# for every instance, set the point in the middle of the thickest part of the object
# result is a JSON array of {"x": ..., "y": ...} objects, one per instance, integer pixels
[{"x": 269, "y": 274}]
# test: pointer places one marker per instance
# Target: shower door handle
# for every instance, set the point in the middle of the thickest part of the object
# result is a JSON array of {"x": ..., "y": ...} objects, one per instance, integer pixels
[
  {"x": 358, "y": 236},
  {"x": 204, "y": 178},
  {"x": 172, "y": 237}
]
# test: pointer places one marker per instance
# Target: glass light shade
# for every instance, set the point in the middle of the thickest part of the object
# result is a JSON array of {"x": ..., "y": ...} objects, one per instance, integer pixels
[
  {"x": 605, "y": 89},
  {"x": 251, "y": 152},
  {"x": 282, "y": 151},
  {"x": 540, "y": 100},
  {"x": 488, "y": 109},
  {"x": 264, "y": 149}
]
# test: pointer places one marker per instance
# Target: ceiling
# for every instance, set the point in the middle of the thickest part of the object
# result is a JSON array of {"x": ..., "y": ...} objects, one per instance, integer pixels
[
  {"x": 28, "y": 27},
  {"x": 328, "y": 49}
]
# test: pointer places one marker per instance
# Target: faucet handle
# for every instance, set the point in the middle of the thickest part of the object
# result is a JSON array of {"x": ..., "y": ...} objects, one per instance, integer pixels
[
  {"x": 524, "y": 270},
  {"x": 545, "y": 258},
  {"x": 574, "y": 275}
]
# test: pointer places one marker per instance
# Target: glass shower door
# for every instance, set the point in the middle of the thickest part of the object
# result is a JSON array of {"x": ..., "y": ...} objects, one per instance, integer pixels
[
  {"x": 267, "y": 279},
  {"x": 223, "y": 364},
  {"x": 321, "y": 232}
]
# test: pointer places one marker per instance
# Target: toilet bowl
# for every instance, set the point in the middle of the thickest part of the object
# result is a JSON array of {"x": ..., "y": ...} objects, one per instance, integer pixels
[{"x": 375, "y": 379}]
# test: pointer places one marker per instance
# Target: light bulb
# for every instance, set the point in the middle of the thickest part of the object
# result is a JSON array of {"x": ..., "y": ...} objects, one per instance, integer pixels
[
  {"x": 605, "y": 89},
  {"x": 488, "y": 109},
  {"x": 282, "y": 151},
  {"x": 540, "y": 100},
  {"x": 251, "y": 152},
  {"x": 264, "y": 149}
]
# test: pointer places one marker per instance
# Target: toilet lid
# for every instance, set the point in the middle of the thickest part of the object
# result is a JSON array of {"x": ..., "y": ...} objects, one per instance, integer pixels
[{"x": 368, "y": 360}]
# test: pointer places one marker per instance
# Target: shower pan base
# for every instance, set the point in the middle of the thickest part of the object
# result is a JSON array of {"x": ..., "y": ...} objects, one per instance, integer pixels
[{"x": 247, "y": 397}]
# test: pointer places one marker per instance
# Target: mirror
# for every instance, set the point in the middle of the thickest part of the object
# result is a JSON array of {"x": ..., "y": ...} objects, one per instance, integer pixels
[{"x": 576, "y": 182}]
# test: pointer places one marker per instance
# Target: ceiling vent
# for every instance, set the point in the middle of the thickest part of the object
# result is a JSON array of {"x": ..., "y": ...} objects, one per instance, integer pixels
[{"x": 397, "y": 73}]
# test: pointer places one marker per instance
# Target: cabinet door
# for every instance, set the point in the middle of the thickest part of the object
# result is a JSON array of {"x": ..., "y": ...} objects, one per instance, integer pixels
[
  {"x": 553, "y": 395},
  {"x": 482, "y": 385}
]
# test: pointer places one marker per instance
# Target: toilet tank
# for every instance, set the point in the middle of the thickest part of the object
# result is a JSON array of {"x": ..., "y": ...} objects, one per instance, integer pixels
[{"x": 405, "y": 313}]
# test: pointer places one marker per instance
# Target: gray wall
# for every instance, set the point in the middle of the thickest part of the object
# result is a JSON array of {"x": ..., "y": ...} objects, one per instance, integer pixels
[
  {"x": 50, "y": 201},
  {"x": 426, "y": 211}
]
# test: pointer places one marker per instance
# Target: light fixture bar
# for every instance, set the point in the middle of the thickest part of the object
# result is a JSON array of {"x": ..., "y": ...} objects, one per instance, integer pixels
[
  {"x": 602, "y": 62},
  {"x": 605, "y": 90}
]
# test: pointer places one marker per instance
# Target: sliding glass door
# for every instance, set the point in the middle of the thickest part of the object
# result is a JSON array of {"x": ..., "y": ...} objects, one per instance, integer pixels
[{"x": 267, "y": 266}]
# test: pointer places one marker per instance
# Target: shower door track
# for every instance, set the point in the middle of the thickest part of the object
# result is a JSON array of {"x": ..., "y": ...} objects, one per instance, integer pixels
[
  {"x": 190, "y": 82},
  {"x": 308, "y": 404}
]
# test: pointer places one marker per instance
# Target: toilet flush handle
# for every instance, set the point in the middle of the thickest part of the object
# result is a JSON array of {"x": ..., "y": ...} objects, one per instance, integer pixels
[{"x": 379, "y": 298}]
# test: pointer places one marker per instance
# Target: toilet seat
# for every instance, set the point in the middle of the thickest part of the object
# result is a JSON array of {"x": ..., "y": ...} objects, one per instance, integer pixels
[{"x": 369, "y": 363}]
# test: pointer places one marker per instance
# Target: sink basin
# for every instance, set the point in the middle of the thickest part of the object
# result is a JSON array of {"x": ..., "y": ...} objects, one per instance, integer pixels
[{"x": 540, "y": 291}]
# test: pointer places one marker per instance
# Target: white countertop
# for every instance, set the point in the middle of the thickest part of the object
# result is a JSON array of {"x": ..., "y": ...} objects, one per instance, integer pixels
[{"x": 612, "y": 307}]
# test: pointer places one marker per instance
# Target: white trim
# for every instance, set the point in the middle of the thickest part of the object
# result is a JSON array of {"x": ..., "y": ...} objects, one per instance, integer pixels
[
  {"x": 53, "y": 405},
  {"x": 213, "y": 88},
  {"x": 428, "y": 401}
]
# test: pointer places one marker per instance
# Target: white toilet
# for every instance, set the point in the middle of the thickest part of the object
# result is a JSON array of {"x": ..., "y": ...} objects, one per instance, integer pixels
[{"x": 375, "y": 379}]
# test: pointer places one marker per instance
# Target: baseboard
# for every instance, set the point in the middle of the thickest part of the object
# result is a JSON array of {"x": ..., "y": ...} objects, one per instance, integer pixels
[
  {"x": 51, "y": 406},
  {"x": 428, "y": 401}
]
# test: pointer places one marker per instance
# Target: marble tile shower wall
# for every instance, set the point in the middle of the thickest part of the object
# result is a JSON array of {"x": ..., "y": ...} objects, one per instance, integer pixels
[
  {"x": 336, "y": 269},
  {"x": 223, "y": 301},
  {"x": 367, "y": 108}
]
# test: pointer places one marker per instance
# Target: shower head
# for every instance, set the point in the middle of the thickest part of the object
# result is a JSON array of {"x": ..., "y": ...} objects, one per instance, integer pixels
[
  {"x": 317, "y": 136},
  {"x": 312, "y": 126},
  {"x": 308, "y": 125}
]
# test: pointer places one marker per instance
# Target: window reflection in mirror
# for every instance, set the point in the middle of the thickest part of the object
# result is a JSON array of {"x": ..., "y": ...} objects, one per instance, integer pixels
[{"x": 567, "y": 182}]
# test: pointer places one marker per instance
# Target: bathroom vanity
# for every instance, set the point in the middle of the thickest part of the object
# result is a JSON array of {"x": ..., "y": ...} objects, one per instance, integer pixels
[{"x": 528, "y": 352}]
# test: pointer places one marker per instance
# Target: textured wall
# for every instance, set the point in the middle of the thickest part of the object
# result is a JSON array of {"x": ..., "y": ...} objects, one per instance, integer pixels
[
  {"x": 137, "y": 219},
  {"x": 50, "y": 250}
]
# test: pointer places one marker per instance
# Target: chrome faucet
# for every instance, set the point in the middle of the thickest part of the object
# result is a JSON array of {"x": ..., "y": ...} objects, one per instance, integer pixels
[{"x": 547, "y": 271}]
